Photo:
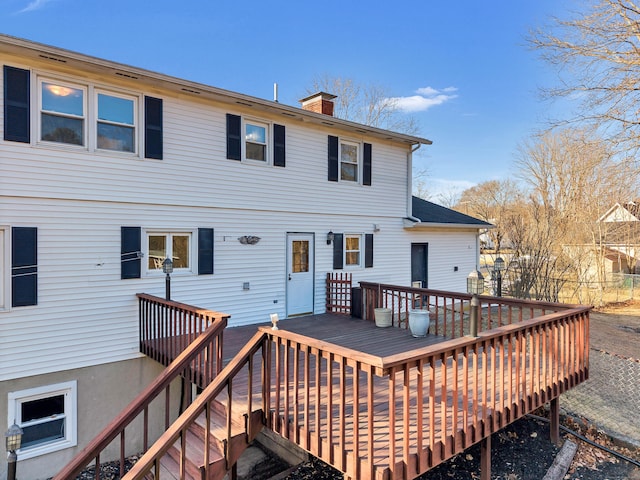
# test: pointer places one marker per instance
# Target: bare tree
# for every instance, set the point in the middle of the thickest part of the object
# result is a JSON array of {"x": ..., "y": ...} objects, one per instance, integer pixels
[
  {"x": 573, "y": 177},
  {"x": 368, "y": 104},
  {"x": 597, "y": 55},
  {"x": 491, "y": 201}
]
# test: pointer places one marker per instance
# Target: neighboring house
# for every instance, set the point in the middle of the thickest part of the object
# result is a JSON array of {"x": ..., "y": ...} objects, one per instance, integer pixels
[
  {"x": 621, "y": 237},
  {"x": 107, "y": 169}
]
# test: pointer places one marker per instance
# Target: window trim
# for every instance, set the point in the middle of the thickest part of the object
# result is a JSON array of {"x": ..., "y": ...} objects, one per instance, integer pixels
[
  {"x": 85, "y": 112},
  {"x": 193, "y": 253},
  {"x": 360, "y": 250},
  {"x": 268, "y": 126},
  {"x": 136, "y": 120},
  {"x": 70, "y": 392}
]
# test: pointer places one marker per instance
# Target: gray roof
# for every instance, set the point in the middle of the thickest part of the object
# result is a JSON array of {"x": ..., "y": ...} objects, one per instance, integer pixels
[
  {"x": 28, "y": 49},
  {"x": 431, "y": 213}
]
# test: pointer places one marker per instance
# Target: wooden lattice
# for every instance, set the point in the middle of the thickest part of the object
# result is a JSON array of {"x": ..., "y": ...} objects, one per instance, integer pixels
[{"x": 339, "y": 293}]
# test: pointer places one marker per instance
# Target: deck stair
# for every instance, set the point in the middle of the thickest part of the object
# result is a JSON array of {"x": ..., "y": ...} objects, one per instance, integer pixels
[{"x": 191, "y": 466}]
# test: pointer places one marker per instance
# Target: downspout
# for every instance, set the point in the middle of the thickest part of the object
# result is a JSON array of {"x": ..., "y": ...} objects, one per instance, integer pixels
[{"x": 410, "y": 184}]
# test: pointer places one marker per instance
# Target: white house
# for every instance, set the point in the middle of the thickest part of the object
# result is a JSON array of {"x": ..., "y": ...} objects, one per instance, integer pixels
[{"x": 107, "y": 169}]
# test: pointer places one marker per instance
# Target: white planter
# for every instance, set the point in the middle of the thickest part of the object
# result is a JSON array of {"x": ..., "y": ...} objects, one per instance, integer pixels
[
  {"x": 382, "y": 317},
  {"x": 419, "y": 321}
]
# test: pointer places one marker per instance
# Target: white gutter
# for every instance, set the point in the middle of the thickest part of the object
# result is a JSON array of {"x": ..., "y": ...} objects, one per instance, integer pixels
[{"x": 410, "y": 184}]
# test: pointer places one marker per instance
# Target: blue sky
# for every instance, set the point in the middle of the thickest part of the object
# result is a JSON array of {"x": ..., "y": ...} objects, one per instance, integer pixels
[{"x": 463, "y": 68}]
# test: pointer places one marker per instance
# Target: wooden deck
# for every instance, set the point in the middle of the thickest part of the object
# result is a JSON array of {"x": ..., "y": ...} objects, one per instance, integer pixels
[
  {"x": 340, "y": 330},
  {"x": 376, "y": 403}
]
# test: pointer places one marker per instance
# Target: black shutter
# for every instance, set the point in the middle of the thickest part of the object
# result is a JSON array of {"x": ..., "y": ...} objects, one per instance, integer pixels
[
  {"x": 366, "y": 165},
  {"x": 368, "y": 250},
  {"x": 279, "y": 151},
  {"x": 205, "y": 251},
  {"x": 234, "y": 137},
  {"x": 16, "y": 104},
  {"x": 153, "y": 128},
  {"x": 337, "y": 251},
  {"x": 130, "y": 252},
  {"x": 333, "y": 158},
  {"x": 24, "y": 266}
]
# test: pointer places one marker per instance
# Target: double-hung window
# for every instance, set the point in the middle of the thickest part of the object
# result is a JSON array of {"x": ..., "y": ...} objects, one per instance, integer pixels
[
  {"x": 47, "y": 416},
  {"x": 256, "y": 147},
  {"x": 352, "y": 250},
  {"x": 173, "y": 245},
  {"x": 349, "y": 161},
  {"x": 116, "y": 122},
  {"x": 62, "y": 113}
]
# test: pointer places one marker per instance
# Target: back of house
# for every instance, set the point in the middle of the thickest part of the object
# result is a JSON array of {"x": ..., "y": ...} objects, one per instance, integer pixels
[{"x": 107, "y": 171}]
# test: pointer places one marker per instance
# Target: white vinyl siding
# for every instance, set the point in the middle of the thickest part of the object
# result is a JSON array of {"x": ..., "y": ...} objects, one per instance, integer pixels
[{"x": 79, "y": 199}]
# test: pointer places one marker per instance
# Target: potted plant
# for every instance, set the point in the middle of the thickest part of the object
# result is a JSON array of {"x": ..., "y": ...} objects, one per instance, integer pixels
[
  {"x": 419, "y": 322},
  {"x": 382, "y": 317}
]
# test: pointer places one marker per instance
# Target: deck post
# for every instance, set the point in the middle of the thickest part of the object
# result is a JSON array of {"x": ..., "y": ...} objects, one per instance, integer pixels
[
  {"x": 554, "y": 415},
  {"x": 485, "y": 458}
]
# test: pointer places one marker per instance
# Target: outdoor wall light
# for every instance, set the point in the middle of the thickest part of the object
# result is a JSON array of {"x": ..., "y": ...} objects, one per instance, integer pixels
[
  {"x": 330, "y": 237},
  {"x": 13, "y": 438}
]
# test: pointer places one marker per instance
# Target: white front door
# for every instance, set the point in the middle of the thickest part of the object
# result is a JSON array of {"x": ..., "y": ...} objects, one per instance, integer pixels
[{"x": 300, "y": 273}]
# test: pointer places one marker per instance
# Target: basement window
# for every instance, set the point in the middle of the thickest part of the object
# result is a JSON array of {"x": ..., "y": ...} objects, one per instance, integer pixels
[{"x": 47, "y": 415}]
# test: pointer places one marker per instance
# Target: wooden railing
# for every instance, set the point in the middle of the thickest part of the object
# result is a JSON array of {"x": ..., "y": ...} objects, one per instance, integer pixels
[
  {"x": 399, "y": 416},
  {"x": 222, "y": 389},
  {"x": 391, "y": 417},
  {"x": 451, "y": 309},
  {"x": 206, "y": 348}
]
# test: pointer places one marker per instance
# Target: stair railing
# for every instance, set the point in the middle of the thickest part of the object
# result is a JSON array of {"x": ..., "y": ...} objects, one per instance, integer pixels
[
  {"x": 221, "y": 389},
  {"x": 208, "y": 345}
]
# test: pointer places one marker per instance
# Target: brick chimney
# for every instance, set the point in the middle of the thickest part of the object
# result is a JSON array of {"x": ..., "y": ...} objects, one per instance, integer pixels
[{"x": 320, "y": 102}]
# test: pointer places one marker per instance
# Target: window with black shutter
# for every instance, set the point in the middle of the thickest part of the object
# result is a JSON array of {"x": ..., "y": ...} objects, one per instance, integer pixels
[
  {"x": 205, "y": 251},
  {"x": 17, "y": 105},
  {"x": 153, "y": 128},
  {"x": 24, "y": 266},
  {"x": 130, "y": 252},
  {"x": 234, "y": 137},
  {"x": 279, "y": 150}
]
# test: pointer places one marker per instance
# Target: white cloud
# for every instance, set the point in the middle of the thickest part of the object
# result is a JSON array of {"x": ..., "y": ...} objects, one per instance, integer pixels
[
  {"x": 426, "y": 98},
  {"x": 34, "y": 5}
]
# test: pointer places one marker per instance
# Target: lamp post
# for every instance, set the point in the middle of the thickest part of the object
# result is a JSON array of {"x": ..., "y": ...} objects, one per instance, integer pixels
[
  {"x": 167, "y": 267},
  {"x": 13, "y": 438},
  {"x": 475, "y": 286},
  {"x": 498, "y": 268}
]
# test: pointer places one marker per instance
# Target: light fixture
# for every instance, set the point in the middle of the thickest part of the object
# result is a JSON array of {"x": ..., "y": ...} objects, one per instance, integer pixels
[
  {"x": 274, "y": 321},
  {"x": 475, "y": 283},
  {"x": 167, "y": 267},
  {"x": 475, "y": 286},
  {"x": 13, "y": 439},
  {"x": 330, "y": 237},
  {"x": 498, "y": 268}
]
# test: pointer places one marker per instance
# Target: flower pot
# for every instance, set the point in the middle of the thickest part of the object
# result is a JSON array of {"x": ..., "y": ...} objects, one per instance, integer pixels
[
  {"x": 419, "y": 321},
  {"x": 382, "y": 317}
]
